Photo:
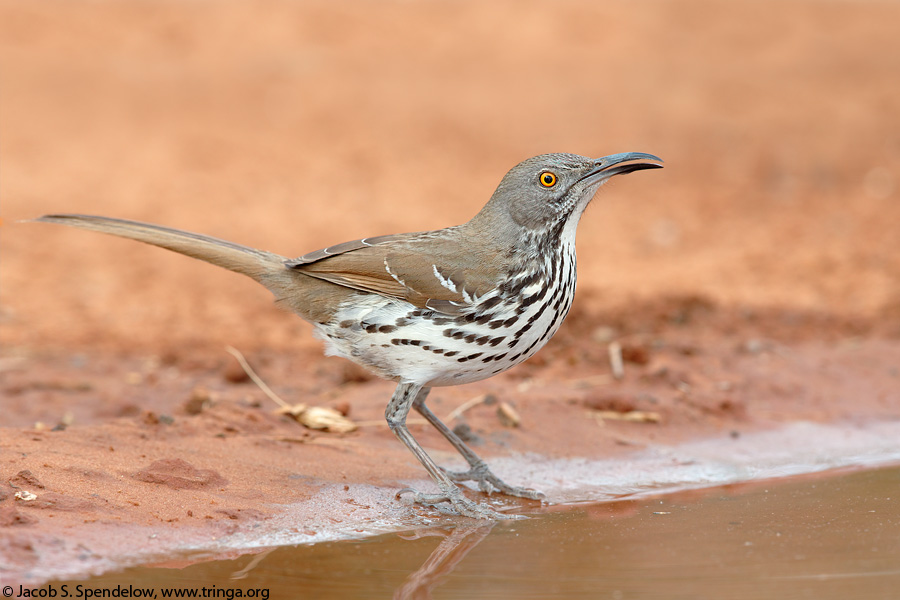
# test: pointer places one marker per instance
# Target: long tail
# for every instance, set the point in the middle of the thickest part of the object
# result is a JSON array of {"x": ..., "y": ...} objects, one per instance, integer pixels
[{"x": 265, "y": 267}]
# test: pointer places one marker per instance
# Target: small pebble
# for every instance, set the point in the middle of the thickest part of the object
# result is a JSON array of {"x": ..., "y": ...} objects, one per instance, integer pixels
[
  {"x": 199, "y": 400},
  {"x": 465, "y": 433},
  {"x": 234, "y": 373}
]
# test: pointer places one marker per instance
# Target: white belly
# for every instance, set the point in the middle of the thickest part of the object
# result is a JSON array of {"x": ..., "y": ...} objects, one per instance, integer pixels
[{"x": 403, "y": 343}]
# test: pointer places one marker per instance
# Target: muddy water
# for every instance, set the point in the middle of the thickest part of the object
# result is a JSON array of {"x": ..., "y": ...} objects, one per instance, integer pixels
[{"x": 831, "y": 535}]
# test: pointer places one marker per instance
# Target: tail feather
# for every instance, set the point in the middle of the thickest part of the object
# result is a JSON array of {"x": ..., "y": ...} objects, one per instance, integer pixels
[{"x": 265, "y": 267}]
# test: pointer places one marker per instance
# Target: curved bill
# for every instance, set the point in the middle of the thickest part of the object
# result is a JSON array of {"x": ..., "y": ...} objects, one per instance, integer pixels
[{"x": 619, "y": 164}]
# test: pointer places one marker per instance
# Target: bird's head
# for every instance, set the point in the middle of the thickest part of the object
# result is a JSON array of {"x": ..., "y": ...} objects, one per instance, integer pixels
[{"x": 551, "y": 189}]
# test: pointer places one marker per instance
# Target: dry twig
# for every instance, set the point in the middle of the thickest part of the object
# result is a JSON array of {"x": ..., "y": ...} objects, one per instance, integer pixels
[
  {"x": 313, "y": 417},
  {"x": 256, "y": 379},
  {"x": 456, "y": 412},
  {"x": 615, "y": 360}
]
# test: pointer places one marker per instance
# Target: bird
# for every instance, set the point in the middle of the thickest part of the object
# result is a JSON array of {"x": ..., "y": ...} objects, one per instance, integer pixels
[{"x": 431, "y": 308}]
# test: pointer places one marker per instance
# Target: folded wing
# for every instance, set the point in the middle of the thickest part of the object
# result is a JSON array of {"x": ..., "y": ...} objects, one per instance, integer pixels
[{"x": 424, "y": 269}]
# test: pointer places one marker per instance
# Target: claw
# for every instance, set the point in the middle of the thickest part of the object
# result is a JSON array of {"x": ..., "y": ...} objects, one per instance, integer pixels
[
  {"x": 483, "y": 484},
  {"x": 463, "y": 505},
  {"x": 488, "y": 482},
  {"x": 404, "y": 491}
]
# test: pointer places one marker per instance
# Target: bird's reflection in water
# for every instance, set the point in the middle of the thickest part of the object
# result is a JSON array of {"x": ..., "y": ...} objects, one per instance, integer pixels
[{"x": 456, "y": 545}]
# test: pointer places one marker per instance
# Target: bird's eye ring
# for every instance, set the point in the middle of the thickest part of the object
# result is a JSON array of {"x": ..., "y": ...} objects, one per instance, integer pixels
[{"x": 547, "y": 179}]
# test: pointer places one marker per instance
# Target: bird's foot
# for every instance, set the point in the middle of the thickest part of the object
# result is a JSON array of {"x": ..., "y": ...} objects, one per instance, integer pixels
[
  {"x": 488, "y": 482},
  {"x": 460, "y": 503}
]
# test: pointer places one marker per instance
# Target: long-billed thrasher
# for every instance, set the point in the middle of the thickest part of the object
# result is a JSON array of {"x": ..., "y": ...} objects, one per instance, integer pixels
[{"x": 432, "y": 308}]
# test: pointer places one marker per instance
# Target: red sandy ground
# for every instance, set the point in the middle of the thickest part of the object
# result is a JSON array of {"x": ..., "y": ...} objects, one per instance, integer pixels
[{"x": 754, "y": 281}]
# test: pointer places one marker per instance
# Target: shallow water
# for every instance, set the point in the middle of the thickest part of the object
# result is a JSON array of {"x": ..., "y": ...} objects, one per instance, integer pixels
[{"x": 832, "y": 535}]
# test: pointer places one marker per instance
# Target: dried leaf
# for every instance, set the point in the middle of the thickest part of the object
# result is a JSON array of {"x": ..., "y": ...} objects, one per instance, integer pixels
[
  {"x": 294, "y": 410},
  {"x": 320, "y": 417}
]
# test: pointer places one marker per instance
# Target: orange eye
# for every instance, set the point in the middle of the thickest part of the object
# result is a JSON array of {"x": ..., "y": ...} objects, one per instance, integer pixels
[{"x": 547, "y": 179}]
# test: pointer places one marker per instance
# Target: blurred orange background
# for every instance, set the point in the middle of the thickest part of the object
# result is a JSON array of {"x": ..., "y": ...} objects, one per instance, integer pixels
[{"x": 294, "y": 125}]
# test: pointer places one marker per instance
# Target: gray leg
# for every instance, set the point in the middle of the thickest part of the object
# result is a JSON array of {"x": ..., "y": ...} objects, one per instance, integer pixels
[
  {"x": 396, "y": 413},
  {"x": 479, "y": 471}
]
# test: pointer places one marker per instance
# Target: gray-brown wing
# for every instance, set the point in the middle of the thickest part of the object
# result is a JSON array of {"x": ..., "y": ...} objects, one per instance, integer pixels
[
  {"x": 439, "y": 272},
  {"x": 318, "y": 255}
]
